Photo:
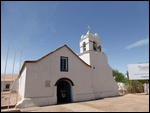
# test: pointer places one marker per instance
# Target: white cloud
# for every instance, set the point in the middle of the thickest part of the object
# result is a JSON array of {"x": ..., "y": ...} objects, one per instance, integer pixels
[{"x": 138, "y": 43}]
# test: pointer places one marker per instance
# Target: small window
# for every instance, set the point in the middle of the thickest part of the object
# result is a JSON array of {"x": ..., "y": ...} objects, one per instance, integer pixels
[
  {"x": 47, "y": 83},
  {"x": 7, "y": 86},
  {"x": 94, "y": 46},
  {"x": 84, "y": 46},
  {"x": 63, "y": 63}
]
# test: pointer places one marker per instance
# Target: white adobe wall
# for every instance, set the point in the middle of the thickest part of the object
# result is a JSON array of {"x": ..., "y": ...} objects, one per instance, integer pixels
[
  {"x": 36, "y": 94},
  {"x": 22, "y": 87},
  {"x": 22, "y": 83},
  {"x": 104, "y": 84},
  {"x": 86, "y": 58}
]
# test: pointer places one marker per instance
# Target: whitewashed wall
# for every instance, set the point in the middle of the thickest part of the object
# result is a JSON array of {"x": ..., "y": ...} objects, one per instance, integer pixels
[
  {"x": 22, "y": 83},
  {"x": 104, "y": 84},
  {"x": 49, "y": 69}
]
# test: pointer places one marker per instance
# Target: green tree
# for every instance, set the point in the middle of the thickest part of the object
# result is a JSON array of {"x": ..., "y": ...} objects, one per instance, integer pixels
[{"x": 119, "y": 77}]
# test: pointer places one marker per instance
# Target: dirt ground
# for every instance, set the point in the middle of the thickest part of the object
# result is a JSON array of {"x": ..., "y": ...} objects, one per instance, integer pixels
[
  {"x": 138, "y": 102},
  {"x": 5, "y": 98}
]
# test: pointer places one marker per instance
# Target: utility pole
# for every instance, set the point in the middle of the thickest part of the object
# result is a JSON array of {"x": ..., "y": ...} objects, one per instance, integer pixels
[
  {"x": 5, "y": 70},
  {"x": 19, "y": 73},
  {"x": 12, "y": 77}
]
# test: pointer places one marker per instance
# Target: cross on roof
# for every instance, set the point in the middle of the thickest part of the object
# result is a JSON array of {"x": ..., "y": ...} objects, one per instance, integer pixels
[{"x": 89, "y": 29}]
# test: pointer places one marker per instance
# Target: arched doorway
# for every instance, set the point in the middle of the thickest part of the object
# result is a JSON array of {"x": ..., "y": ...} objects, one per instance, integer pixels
[{"x": 64, "y": 90}]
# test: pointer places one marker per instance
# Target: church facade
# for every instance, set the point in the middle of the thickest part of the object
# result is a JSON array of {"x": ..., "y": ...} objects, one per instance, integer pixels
[{"x": 63, "y": 77}]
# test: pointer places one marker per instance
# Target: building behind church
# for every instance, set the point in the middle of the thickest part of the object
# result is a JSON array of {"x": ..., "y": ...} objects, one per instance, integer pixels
[
  {"x": 63, "y": 77},
  {"x": 7, "y": 80}
]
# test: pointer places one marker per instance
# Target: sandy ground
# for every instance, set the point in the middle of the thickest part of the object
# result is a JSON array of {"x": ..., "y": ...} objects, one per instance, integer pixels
[
  {"x": 5, "y": 98},
  {"x": 138, "y": 102}
]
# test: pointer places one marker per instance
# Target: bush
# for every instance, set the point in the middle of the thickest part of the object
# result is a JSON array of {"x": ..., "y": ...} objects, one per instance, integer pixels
[{"x": 138, "y": 86}]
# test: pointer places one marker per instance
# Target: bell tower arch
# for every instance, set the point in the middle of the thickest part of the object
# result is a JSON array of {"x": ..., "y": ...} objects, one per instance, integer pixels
[
  {"x": 90, "y": 42},
  {"x": 89, "y": 45}
]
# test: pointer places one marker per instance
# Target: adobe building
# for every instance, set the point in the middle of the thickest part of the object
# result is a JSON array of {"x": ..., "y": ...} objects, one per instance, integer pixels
[
  {"x": 63, "y": 77},
  {"x": 7, "y": 80}
]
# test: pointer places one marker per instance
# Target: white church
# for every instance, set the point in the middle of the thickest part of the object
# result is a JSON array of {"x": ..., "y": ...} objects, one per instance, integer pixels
[{"x": 64, "y": 77}]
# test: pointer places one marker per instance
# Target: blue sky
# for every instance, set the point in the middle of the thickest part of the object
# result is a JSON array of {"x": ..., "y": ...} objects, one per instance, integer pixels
[{"x": 41, "y": 27}]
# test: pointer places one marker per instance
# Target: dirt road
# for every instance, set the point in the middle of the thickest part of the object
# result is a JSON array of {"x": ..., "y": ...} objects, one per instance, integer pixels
[{"x": 138, "y": 102}]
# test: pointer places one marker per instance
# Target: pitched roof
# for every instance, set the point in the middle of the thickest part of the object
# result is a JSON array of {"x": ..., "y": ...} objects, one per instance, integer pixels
[
  {"x": 50, "y": 54},
  {"x": 8, "y": 77}
]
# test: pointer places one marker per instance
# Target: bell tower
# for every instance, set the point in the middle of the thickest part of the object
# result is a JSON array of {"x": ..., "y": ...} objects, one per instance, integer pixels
[
  {"x": 89, "y": 44},
  {"x": 101, "y": 72}
]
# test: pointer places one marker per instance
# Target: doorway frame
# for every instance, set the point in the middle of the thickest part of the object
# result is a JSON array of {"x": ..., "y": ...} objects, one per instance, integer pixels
[{"x": 71, "y": 87}]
